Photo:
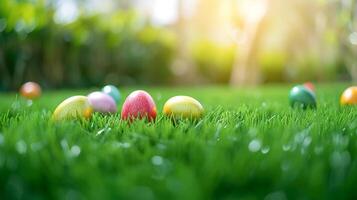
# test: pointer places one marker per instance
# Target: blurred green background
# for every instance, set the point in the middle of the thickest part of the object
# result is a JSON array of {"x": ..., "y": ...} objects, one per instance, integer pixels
[{"x": 85, "y": 43}]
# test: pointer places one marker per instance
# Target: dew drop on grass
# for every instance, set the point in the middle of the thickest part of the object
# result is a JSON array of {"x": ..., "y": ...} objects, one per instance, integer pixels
[
  {"x": 264, "y": 104},
  {"x": 299, "y": 137},
  {"x": 307, "y": 141},
  {"x": 104, "y": 130},
  {"x": 64, "y": 144},
  {"x": 238, "y": 125},
  {"x": 265, "y": 150},
  {"x": 157, "y": 160},
  {"x": 124, "y": 145},
  {"x": 29, "y": 103},
  {"x": 75, "y": 150},
  {"x": 21, "y": 147},
  {"x": 286, "y": 147},
  {"x": 254, "y": 145}
]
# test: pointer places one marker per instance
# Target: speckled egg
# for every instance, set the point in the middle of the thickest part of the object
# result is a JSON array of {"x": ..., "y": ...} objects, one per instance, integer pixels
[
  {"x": 73, "y": 108},
  {"x": 30, "y": 90},
  {"x": 138, "y": 105},
  {"x": 349, "y": 96},
  {"x": 102, "y": 102},
  {"x": 183, "y": 106},
  {"x": 112, "y": 91},
  {"x": 302, "y": 97}
]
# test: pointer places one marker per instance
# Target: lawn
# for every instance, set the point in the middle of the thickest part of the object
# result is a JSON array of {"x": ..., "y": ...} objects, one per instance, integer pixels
[{"x": 249, "y": 145}]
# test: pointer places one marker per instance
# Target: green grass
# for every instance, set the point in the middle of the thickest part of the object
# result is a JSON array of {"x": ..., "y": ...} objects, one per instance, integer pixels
[{"x": 249, "y": 145}]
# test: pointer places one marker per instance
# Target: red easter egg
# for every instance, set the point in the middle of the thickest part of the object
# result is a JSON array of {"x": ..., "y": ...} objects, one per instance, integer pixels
[
  {"x": 310, "y": 86},
  {"x": 138, "y": 105},
  {"x": 30, "y": 90}
]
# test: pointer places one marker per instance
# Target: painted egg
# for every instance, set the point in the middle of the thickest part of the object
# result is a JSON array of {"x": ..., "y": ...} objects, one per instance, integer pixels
[
  {"x": 183, "y": 106},
  {"x": 138, "y": 105},
  {"x": 310, "y": 86},
  {"x": 30, "y": 90},
  {"x": 349, "y": 96},
  {"x": 72, "y": 108},
  {"x": 102, "y": 102},
  {"x": 301, "y": 97},
  {"x": 112, "y": 91}
]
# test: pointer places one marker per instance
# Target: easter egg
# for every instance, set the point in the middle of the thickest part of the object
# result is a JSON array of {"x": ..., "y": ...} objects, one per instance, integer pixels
[
  {"x": 349, "y": 96},
  {"x": 112, "y": 91},
  {"x": 302, "y": 97},
  {"x": 310, "y": 86},
  {"x": 183, "y": 106},
  {"x": 102, "y": 102},
  {"x": 138, "y": 105},
  {"x": 72, "y": 108},
  {"x": 30, "y": 90}
]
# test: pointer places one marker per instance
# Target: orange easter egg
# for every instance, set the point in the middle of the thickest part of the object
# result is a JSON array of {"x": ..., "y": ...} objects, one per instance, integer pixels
[
  {"x": 30, "y": 90},
  {"x": 349, "y": 96}
]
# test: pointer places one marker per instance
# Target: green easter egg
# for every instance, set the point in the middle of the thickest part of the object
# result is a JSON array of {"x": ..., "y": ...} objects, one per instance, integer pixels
[
  {"x": 112, "y": 91},
  {"x": 301, "y": 97}
]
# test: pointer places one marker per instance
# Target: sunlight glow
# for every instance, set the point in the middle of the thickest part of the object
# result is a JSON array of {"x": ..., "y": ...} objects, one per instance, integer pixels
[
  {"x": 253, "y": 10},
  {"x": 164, "y": 12},
  {"x": 66, "y": 12}
]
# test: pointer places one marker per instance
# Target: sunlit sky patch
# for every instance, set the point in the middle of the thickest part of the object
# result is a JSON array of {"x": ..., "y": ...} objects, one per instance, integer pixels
[{"x": 160, "y": 12}]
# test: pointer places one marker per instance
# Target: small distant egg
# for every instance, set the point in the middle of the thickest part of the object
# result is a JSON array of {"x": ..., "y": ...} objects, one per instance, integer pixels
[
  {"x": 30, "y": 90},
  {"x": 138, "y": 105},
  {"x": 73, "y": 108},
  {"x": 102, "y": 102},
  {"x": 310, "y": 86},
  {"x": 302, "y": 97},
  {"x": 183, "y": 106},
  {"x": 349, "y": 96},
  {"x": 112, "y": 91}
]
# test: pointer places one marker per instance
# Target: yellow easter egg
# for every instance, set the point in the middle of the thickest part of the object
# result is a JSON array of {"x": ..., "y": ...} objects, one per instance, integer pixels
[
  {"x": 349, "y": 96},
  {"x": 72, "y": 108},
  {"x": 183, "y": 106}
]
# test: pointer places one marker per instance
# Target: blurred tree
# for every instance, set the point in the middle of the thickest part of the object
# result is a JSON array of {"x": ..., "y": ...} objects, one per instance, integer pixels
[
  {"x": 276, "y": 40},
  {"x": 118, "y": 47},
  {"x": 246, "y": 70},
  {"x": 347, "y": 25},
  {"x": 182, "y": 66}
]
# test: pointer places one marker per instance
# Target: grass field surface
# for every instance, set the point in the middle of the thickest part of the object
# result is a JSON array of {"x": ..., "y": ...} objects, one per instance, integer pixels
[{"x": 249, "y": 145}]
